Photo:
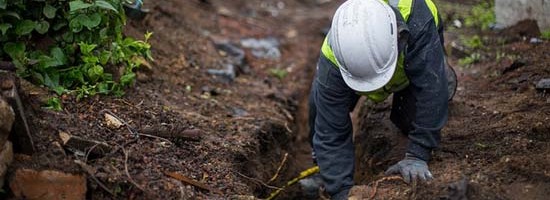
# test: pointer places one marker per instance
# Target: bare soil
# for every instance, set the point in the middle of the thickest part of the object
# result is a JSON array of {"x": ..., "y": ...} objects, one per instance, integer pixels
[{"x": 497, "y": 137}]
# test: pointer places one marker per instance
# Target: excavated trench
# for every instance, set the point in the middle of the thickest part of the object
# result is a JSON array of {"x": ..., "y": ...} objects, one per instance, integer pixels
[{"x": 377, "y": 142}]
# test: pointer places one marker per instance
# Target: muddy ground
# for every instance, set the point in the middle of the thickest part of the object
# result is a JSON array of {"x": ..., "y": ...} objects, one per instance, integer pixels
[{"x": 497, "y": 138}]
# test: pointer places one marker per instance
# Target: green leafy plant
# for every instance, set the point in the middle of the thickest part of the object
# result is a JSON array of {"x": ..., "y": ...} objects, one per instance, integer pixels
[
  {"x": 471, "y": 59},
  {"x": 481, "y": 16},
  {"x": 54, "y": 103},
  {"x": 545, "y": 35},
  {"x": 474, "y": 42},
  {"x": 279, "y": 73},
  {"x": 71, "y": 46}
]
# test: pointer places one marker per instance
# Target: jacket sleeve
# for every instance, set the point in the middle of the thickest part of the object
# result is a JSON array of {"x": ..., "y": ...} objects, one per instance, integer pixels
[{"x": 426, "y": 71}]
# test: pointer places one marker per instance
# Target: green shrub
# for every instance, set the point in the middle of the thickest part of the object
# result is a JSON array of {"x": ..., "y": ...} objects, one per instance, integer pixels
[
  {"x": 474, "y": 42},
  {"x": 471, "y": 59},
  {"x": 71, "y": 46},
  {"x": 481, "y": 16},
  {"x": 279, "y": 73},
  {"x": 545, "y": 35}
]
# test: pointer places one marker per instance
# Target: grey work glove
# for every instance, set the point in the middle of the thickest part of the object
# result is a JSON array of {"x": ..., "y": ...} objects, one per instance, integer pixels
[{"x": 411, "y": 169}]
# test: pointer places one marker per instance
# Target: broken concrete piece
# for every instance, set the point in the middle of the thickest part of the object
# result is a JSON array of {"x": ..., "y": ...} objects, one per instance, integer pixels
[
  {"x": 236, "y": 54},
  {"x": 266, "y": 48},
  {"x": 112, "y": 122},
  {"x": 8, "y": 116},
  {"x": 84, "y": 146},
  {"x": 228, "y": 73},
  {"x": 509, "y": 12},
  {"x": 47, "y": 185},
  {"x": 543, "y": 84}
]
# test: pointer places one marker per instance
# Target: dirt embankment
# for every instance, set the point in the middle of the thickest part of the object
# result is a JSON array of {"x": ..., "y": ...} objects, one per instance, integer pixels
[{"x": 240, "y": 129}]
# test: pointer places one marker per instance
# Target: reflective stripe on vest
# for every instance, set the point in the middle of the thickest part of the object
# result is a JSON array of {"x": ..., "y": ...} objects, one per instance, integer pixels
[{"x": 399, "y": 79}]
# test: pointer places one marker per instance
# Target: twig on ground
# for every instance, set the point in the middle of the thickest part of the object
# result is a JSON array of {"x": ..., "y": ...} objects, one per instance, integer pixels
[
  {"x": 192, "y": 182},
  {"x": 155, "y": 137},
  {"x": 414, "y": 189},
  {"x": 304, "y": 174},
  {"x": 126, "y": 169},
  {"x": 89, "y": 171},
  {"x": 276, "y": 175},
  {"x": 89, "y": 151},
  {"x": 375, "y": 186},
  {"x": 258, "y": 181},
  {"x": 130, "y": 129},
  {"x": 120, "y": 119}
]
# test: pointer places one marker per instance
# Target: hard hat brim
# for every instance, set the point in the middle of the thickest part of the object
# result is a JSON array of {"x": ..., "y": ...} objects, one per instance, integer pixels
[{"x": 369, "y": 84}]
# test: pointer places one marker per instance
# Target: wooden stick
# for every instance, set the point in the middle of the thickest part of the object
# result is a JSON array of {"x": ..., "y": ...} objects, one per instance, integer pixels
[
  {"x": 278, "y": 169},
  {"x": 126, "y": 169},
  {"x": 258, "y": 181},
  {"x": 192, "y": 182}
]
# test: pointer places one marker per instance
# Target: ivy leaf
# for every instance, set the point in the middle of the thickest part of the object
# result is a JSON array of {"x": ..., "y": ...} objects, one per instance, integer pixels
[
  {"x": 45, "y": 62},
  {"x": 104, "y": 57},
  {"x": 78, "y": 5},
  {"x": 4, "y": 28},
  {"x": 42, "y": 27},
  {"x": 49, "y": 11},
  {"x": 11, "y": 14},
  {"x": 59, "y": 25},
  {"x": 127, "y": 79},
  {"x": 15, "y": 50},
  {"x": 89, "y": 22},
  {"x": 86, "y": 49},
  {"x": 92, "y": 21},
  {"x": 51, "y": 81},
  {"x": 95, "y": 72},
  {"x": 59, "y": 56},
  {"x": 76, "y": 23},
  {"x": 54, "y": 104},
  {"x": 105, "y": 5},
  {"x": 25, "y": 27},
  {"x": 103, "y": 88}
]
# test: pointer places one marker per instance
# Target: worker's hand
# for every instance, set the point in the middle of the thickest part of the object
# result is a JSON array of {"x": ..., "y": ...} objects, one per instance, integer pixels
[{"x": 411, "y": 169}]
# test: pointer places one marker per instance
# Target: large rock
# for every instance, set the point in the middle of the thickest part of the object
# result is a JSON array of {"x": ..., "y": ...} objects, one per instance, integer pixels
[
  {"x": 7, "y": 117},
  {"x": 47, "y": 185},
  {"x": 510, "y": 12}
]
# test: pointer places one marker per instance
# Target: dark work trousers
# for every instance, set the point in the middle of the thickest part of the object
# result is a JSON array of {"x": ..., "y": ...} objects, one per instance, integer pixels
[{"x": 331, "y": 100}]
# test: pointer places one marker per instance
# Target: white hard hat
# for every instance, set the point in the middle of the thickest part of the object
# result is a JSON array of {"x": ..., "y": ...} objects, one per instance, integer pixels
[{"x": 363, "y": 38}]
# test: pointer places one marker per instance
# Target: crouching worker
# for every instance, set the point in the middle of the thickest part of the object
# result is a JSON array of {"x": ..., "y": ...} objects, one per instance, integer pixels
[{"x": 376, "y": 48}]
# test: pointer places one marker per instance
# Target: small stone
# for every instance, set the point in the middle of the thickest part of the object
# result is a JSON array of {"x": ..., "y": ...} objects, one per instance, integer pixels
[
  {"x": 535, "y": 40},
  {"x": 112, "y": 122},
  {"x": 543, "y": 84},
  {"x": 457, "y": 23},
  {"x": 292, "y": 33},
  {"x": 47, "y": 185},
  {"x": 224, "y": 11}
]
